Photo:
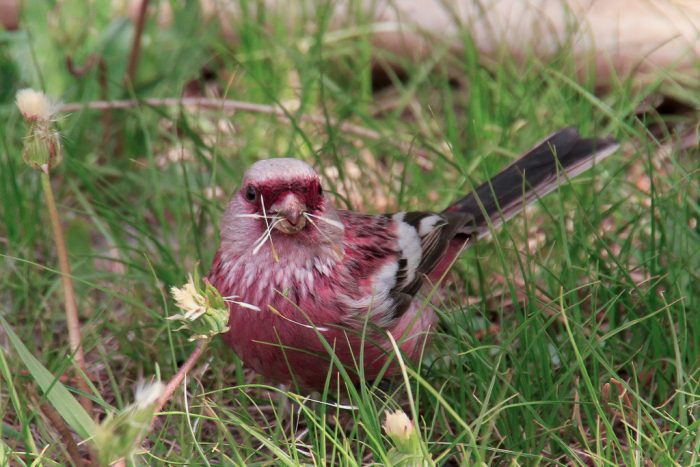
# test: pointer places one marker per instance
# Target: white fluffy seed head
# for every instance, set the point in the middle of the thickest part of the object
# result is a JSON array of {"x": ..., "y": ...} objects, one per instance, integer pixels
[
  {"x": 271, "y": 169},
  {"x": 34, "y": 105},
  {"x": 148, "y": 393}
]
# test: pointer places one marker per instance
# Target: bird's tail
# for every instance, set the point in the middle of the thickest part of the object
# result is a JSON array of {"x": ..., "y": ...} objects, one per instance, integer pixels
[{"x": 561, "y": 156}]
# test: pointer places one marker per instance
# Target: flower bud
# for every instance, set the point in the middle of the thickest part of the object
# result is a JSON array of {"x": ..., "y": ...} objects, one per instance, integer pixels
[
  {"x": 42, "y": 147},
  {"x": 42, "y": 144},
  {"x": 398, "y": 426},
  {"x": 408, "y": 450}
]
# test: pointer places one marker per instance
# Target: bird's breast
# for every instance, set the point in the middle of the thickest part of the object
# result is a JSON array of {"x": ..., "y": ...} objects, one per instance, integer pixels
[{"x": 264, "y": 279}]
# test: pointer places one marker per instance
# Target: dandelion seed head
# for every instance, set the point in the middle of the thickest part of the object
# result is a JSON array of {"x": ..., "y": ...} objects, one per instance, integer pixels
[
  {"x": 147, "y": 394},
  {"x": 34, "y": 105}
]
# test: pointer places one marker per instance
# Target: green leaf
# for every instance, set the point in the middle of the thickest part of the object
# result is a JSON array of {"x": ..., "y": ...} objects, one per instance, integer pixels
[{"x": 57, "y": 394}]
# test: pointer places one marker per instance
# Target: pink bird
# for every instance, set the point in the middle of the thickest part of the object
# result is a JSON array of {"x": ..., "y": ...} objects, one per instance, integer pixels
[{"x": 314, "y": 273}]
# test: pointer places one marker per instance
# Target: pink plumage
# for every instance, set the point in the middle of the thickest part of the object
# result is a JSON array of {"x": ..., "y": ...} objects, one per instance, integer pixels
[{"x": 317, "y": 273}]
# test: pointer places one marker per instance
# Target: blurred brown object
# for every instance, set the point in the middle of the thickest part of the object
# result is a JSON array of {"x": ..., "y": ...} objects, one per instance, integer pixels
[
  {"x": 9, "y": 14},
  {"x": 620, "y": 38},
  {"x": 613, "y": 38}
]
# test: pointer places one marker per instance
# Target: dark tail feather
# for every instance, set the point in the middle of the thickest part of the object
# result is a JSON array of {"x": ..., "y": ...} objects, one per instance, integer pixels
[{"x": 541, "y": 170}]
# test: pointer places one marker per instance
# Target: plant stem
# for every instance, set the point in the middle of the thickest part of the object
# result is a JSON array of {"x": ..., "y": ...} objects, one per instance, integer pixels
[
  {"x": 136, "y": 44},
  {"x": 177, "y": 379},
  {"x": 64, "y": 431},
  {"x": 71, "y": 306}
]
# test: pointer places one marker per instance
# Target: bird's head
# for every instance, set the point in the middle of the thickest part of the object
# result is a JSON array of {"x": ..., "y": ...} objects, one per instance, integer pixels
[{"x": 282, "y": 197}]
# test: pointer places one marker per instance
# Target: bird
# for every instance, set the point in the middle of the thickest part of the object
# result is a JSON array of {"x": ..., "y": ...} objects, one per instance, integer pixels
[{"x": 316, "y": 292}]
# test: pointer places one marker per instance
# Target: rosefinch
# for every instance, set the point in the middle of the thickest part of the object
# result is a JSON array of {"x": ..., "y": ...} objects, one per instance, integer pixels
[{"x": 320, "y": 273}]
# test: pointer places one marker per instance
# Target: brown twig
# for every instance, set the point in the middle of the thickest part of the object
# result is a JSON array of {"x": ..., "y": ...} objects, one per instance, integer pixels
[
  {"x": 136, "y": 44},
  {"x": 64, "y": 431},
  {"x": 71, "y": 305},
  {"x": 79, "y": 71},
  {"x": 424, "y": 158},
  {"x": 177, "y": 379}
]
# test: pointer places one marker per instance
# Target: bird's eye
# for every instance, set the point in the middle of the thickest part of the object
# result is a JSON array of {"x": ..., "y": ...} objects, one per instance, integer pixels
[
  {"x": 320, "y": 190},
  {"x": 250, "y": 193}
]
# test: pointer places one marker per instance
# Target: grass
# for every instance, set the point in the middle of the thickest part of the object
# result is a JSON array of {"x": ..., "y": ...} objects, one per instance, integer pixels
[{"x": 571, "y": 336}]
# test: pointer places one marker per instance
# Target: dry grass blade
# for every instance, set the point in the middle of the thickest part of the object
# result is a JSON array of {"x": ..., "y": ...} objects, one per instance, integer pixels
[{"x": 423, "y": 156}]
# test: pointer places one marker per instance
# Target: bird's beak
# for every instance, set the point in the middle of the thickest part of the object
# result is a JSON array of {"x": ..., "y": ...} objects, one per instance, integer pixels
[{"x": 291, "y": 210}]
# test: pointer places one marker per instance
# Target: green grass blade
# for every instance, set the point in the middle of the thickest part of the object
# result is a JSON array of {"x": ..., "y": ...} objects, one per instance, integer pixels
[{"x": 57, "y": 394}]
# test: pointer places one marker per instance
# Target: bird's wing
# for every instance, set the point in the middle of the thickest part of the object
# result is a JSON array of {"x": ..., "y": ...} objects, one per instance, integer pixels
[{"x": 387, "y": 259}]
